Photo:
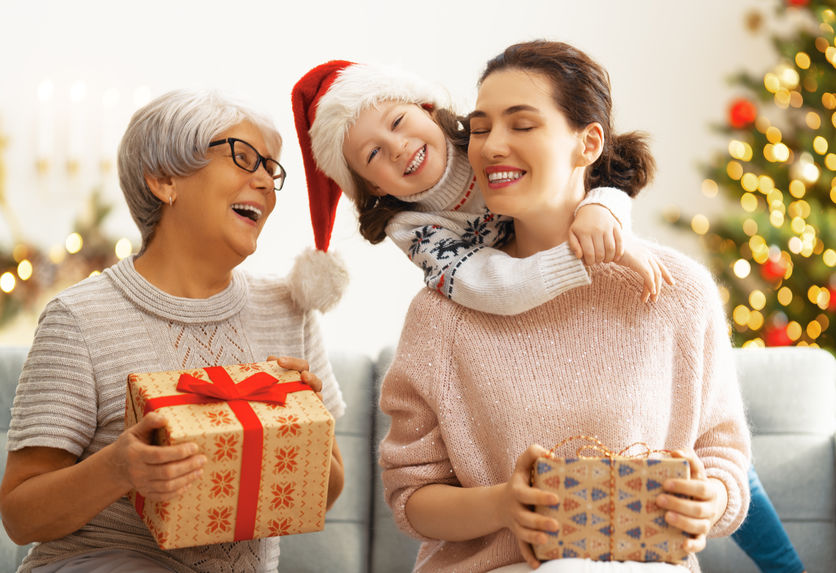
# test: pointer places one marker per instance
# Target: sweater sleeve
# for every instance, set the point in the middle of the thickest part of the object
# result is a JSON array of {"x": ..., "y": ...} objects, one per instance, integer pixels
[
  {"x": 317, "y": 358},
  {"x": 723, "y": 443},
  {"x": 460, "y": 261},
  {"x": 413, "y": 453},
  {"x": 615, "y": 200},
  {"x": 55, "y": 402}
]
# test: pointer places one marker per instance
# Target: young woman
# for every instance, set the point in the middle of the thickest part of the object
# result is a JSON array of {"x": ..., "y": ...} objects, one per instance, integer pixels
[
  {"x": 200, "y": 174},
  {"x": 472, "y": 410}
]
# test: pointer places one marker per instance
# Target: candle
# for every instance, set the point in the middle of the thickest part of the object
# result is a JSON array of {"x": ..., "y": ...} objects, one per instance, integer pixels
[
  {"x": 45, "y": 143},
  {"x": 75, "y": 130}
]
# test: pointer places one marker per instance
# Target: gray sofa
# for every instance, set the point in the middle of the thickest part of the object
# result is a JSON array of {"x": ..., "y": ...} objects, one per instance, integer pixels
[{"x": 791, "y": 400}]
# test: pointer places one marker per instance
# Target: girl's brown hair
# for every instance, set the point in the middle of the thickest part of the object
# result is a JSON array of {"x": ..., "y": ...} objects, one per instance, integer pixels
[
  {"x": 581, "y": 90},
  {"x": 374, "y": 211}
]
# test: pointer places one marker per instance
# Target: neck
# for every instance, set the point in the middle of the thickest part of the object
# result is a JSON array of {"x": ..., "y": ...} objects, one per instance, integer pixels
[
  {"x": 545, "y": 226},
  {"x": 183, "y": 270}
]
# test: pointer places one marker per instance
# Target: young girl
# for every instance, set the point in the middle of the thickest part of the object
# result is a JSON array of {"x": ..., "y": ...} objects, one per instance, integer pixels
[
  {"x": 388, "y": 140},
  {"x": 472, "y": 411}
]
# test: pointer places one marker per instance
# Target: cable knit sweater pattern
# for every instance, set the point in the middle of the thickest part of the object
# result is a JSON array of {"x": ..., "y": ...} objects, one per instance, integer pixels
[
  {"x": 71, "y": 393},
  {"x": 594, "y": 360},
  {"x": 451, "y": 234}
]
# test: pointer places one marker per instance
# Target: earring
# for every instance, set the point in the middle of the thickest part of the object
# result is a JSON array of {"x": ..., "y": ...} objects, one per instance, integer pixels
[{"x": 170, "y": 201}]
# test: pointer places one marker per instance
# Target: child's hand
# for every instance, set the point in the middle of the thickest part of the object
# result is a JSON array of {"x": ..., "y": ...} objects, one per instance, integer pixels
[
  {"x": 517, "y": 496},
  {"x": 707, "y": 503},
  {"x": 652, "y": 270},
  {"x": 595, "y": 235},
  {"x": 301, "y": 365}
]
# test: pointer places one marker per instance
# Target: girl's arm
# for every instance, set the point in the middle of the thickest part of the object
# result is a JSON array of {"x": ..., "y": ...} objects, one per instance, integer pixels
[{"x": 456, "y": 252}]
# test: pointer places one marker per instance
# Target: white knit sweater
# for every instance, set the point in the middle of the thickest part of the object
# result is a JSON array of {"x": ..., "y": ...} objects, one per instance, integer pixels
[
  {"x": 468, "y": 392},
  {"x": 71, "y": 394},
  {"x": 452, "y": 236}
]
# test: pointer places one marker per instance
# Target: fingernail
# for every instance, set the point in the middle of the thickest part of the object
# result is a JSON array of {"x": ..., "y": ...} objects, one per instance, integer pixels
[{"x": 193, "y": 449}]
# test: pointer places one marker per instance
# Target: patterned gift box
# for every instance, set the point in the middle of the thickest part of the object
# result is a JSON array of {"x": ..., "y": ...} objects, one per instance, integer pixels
[
  {"x": 267, "y": 439},
  {"x": 607, "y": 509}
]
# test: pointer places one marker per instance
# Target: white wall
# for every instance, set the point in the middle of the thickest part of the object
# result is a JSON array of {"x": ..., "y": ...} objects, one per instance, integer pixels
[{"x": 668, "y": 62}]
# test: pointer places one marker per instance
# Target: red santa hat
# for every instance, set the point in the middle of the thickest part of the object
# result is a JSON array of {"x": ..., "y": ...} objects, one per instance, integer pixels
[{"x": 326, "y": 102}]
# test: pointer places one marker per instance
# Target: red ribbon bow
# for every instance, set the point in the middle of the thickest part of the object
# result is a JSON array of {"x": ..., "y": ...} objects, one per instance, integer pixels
[{"x": 260, "y": 387}]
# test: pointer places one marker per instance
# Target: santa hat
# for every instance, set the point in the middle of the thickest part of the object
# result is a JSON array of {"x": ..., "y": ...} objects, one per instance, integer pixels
[{"x": 326, "y": 102}]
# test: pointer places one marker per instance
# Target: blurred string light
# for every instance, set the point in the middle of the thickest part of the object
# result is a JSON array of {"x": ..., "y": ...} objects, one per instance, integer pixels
[
  {"x": 73, "y": 243},
  {"x": 24, "y": 270},
  {"x": 123, "y": 248},
  {"x": 7, "y": 282}
]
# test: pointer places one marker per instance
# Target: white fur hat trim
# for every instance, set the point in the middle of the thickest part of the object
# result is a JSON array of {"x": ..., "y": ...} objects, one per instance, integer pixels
[{"x": 317, "y": 280}]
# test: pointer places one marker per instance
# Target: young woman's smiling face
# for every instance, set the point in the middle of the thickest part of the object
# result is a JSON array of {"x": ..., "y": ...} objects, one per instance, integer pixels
[
  {"x": 397, "y": 147},
  {"x": 526, "y": 156}
]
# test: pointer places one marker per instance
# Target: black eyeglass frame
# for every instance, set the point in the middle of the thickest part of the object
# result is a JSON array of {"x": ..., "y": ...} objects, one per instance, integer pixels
[{"x": 261, "y": 160}]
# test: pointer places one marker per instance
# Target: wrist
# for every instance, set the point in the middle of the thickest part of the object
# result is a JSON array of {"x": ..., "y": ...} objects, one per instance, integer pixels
[
  {"x": 495, "y": 498},
  {"x": 115, "y": 468}
]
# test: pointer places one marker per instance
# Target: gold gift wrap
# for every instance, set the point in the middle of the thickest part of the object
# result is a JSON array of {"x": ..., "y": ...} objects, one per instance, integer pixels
[
  {"x": 607, "y": 508},
  {"x": 267, "y": 439}
]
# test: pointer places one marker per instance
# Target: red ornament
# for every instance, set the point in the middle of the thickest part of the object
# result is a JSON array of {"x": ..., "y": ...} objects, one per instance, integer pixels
[
  {"x": 773, "y": 269},
  {"x": 742, "y": 113},
  {"x": 798, "y": 2},
  {"x": 776, "y": 336},
  {"x": 831, "y": 305}
]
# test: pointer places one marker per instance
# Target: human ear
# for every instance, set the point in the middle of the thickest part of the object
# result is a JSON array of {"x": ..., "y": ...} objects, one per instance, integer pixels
[
  {"x": 161, "y": 187},
  {"x": 592, "y": 143}
]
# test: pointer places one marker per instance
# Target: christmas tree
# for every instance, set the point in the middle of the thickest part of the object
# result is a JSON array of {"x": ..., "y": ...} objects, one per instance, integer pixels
[{"x": 774, "y": 249}]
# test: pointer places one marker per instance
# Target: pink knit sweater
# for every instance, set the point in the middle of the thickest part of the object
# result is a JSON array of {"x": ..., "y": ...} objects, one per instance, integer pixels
[{"x": 468, "y": 392}]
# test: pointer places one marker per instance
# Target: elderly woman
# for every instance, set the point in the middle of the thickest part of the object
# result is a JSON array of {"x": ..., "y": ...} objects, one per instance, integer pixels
[
  {"x": 200, "y": 175},
  {"x": 472, "y": 410}
]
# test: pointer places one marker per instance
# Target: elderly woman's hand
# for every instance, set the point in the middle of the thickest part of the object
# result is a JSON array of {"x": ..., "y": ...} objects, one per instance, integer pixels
[
  {"x": 301, "y": 365},
  {"x": 704, "y": 504},
  {"x": 157, "y": 472}
]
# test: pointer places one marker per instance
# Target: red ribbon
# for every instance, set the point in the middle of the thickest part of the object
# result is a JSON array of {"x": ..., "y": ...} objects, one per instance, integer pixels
[{"x": 260, "y": 387}]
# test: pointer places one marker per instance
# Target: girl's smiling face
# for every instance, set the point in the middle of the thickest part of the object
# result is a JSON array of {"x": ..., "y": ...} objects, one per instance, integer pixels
[
  {"x": 526, "y": 156},
  {"x": 397, "y": 147}
]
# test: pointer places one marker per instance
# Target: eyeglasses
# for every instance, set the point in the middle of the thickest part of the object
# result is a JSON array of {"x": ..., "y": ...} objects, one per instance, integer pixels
[{"x": 247, "y": 158}]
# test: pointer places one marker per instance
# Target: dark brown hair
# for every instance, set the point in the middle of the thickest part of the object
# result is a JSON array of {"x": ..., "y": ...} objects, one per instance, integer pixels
[
  {"x": 581, "y": 90},
  {"x": 373, "y": 211}
]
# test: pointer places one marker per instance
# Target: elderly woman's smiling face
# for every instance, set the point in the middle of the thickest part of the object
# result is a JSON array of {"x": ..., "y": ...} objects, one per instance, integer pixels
[{"x": 222, "y": 207}]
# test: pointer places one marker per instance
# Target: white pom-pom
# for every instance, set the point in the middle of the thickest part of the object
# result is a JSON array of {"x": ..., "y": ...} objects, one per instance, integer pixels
[{"x": 317, "y": 280}]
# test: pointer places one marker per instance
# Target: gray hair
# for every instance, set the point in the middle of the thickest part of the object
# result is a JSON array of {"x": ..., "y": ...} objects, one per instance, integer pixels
[{"x": 169, "y": 137}]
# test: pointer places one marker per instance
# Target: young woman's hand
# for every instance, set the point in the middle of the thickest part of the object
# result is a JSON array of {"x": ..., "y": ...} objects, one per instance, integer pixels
[
  {"x": 157, "y": 472},
  {"x": 514, "y": 502},
  {"x": 653, "y": 271},
  {"x": 705, "y": 503},
  {"x": 595, "y": 235}
]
